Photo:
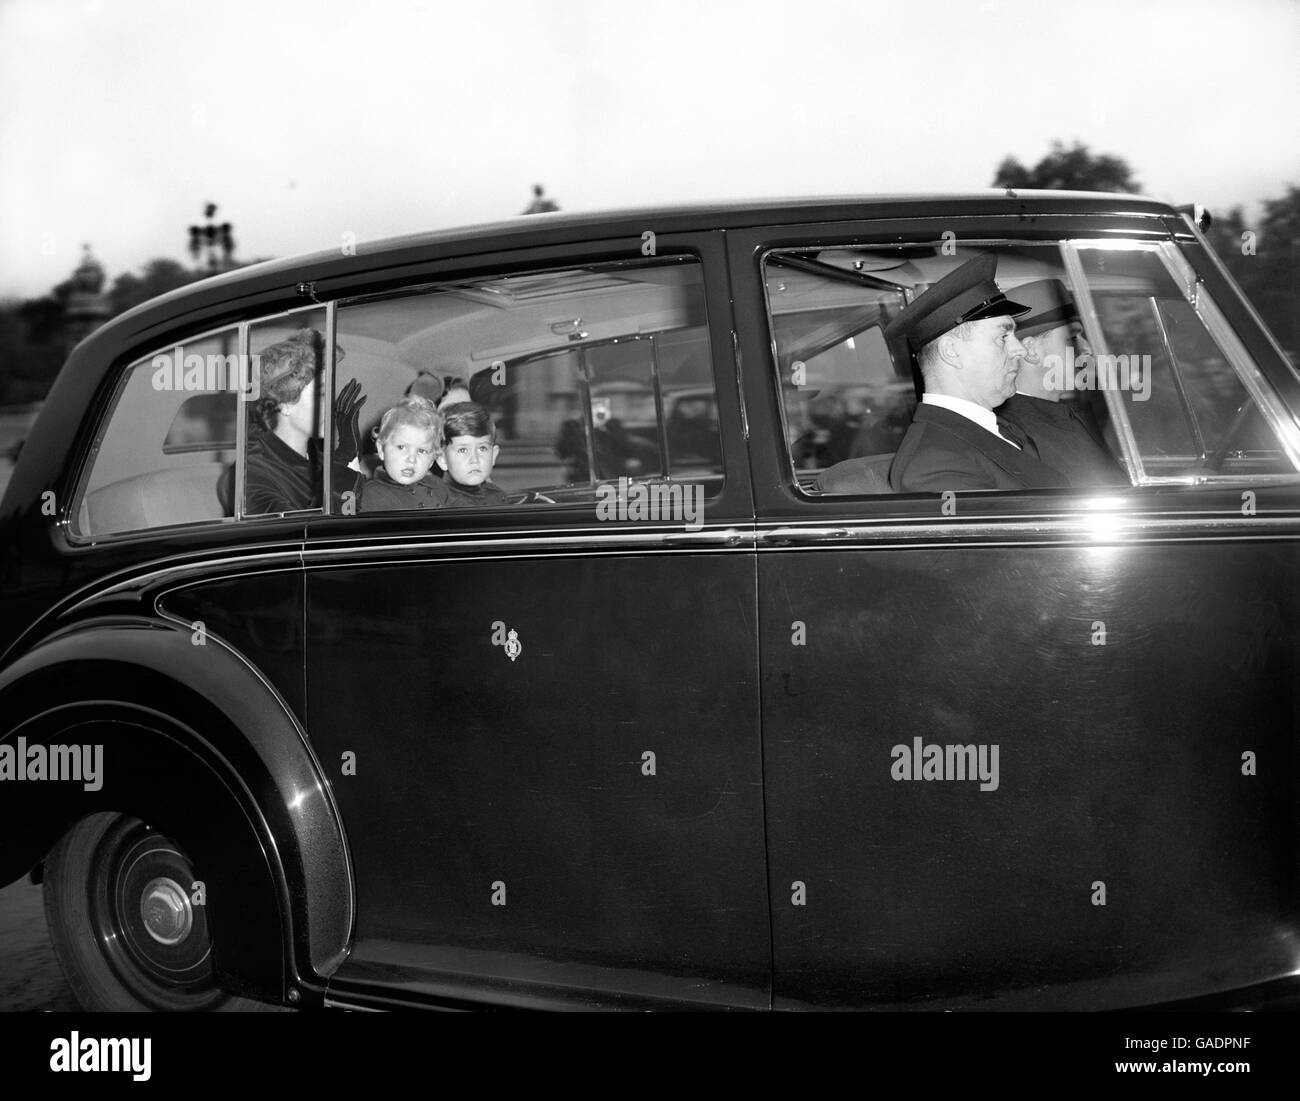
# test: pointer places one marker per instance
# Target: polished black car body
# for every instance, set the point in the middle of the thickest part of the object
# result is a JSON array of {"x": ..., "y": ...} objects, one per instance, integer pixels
[{"x": 546, "y": 755}]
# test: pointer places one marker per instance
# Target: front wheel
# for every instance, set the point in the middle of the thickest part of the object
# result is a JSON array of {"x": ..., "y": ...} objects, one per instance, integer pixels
[{"x": 128, "y": 922}]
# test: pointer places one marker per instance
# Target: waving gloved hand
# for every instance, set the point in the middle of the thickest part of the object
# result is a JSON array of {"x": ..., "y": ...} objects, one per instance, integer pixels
[{"x": 347, "y": 422}]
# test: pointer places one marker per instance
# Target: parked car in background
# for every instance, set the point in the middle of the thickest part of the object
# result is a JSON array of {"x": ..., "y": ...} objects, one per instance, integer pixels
[{"x": 672, "y": 727}]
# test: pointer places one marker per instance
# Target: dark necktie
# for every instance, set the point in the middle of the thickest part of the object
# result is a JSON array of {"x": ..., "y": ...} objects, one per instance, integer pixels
[{"x": 1011, "y": 432}]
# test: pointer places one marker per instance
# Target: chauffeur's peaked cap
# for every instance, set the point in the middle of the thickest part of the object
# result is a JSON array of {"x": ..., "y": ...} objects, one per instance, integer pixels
[
  {"x": 967, "y": 293},
  {"x": 1049, "y": 305}
]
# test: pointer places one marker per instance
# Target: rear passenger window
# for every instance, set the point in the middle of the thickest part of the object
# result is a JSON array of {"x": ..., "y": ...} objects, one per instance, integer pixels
[
  {"x": 547, "y": 385},
  {"x": 168, "y": 449}
]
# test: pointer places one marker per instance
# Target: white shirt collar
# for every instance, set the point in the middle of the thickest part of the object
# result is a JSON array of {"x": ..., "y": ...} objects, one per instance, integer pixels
[{"x": 985, "y": 418}]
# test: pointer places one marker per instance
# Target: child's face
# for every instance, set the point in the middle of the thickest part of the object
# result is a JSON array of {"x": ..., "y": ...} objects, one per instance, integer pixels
[
  {"x": 469, "y": 459},
  {"x": 407, "y": 453}
]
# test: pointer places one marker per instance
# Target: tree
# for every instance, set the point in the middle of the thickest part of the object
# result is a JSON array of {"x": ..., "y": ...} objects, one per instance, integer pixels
[
  {"x": 1276, "y": 284},
  {"x": 157, "y": 277},
  {"x": 1073, "y": 169},
  {"x": 29, "y": 363},
  {"x": 1265, "y": 261}
]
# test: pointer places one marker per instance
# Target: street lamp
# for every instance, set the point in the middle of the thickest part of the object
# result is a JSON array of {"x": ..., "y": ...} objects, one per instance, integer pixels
[{"x": 212, "y": 237}]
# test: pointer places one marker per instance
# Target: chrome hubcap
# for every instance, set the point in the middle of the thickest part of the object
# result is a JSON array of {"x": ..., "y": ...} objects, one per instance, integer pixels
[{"x": 165, "y": 910}]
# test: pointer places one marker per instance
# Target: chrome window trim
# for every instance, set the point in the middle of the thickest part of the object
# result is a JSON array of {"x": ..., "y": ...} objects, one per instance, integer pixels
[
  {"x": 325, "y": 411},
  {"x": 1083, "y": 527},
  {"x": 728, "y": 538},
  {"x": 1276, "y": 414},
  {"x": 262, "y": 320},
  {"x": 740, "y": 387},
  {"x": 241, "y": 428},
  {"x": 89, "y": 542},
  {"x": 661, "y": 437},
  {"x": 588, "y": 414},
  {"x": 1087, "y": 308},
  {"x": 1180, "y": 387},
  {"x": 1183, "y": 273},
  {"x": 1079, "y": 528},
  {"x": 334, "y": 1002},
  {"x": 1227, "y": 481}
]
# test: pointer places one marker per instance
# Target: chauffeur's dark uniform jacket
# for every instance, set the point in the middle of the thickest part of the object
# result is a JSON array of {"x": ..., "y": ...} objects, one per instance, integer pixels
[
  {"x": 943, "y": 450},
  {"x": 1066, "y": 439}
]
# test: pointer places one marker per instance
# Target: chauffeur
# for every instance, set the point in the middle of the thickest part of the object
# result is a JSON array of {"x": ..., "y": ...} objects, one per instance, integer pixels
[
  {"x": 963, "y": 333},
  {"x": 1063, "y": 431}
]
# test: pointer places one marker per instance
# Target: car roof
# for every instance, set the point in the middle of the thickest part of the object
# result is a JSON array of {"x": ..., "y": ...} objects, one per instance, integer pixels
[
  {"x": 553, "y": 228},
  {"x": 263, "y": 289}
]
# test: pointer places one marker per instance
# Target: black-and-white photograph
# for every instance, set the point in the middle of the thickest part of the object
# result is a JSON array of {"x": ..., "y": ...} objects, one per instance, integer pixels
[{"x": 599, "y": 505}]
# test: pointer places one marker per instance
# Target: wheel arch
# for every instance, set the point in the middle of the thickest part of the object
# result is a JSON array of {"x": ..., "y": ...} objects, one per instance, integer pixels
[{"x": 196, "y": 742}]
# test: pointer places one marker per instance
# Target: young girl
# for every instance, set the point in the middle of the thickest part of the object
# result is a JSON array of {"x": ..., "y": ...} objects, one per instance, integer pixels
[{"x": 407, "y": 440}]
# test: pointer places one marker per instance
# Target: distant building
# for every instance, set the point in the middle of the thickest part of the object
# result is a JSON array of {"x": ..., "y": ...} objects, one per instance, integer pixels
[{"x": 87, "y": 306}]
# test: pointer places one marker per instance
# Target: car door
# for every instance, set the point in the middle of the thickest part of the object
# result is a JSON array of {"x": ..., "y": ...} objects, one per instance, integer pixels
[
  {"x": 542, "y": 717},
  {"x": 1023, "y": 749}
]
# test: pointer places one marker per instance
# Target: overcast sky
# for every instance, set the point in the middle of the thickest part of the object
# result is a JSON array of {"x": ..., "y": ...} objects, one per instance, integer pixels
[{"x": 306, "y": 120}]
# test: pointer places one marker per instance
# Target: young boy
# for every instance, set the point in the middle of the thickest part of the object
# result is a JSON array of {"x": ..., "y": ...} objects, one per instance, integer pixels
[
  {"x": 407, "y": 441},
  {"x": 468, "y": 454}
]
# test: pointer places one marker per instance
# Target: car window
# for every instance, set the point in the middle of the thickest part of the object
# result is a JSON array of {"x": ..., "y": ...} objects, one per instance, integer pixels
[
  {"x": 580, "y": 377},
  {"x": 1193, "y": 417},
  {"x": 284, "y": 432},
  {"x": 204, "y": 422},
  {"x": 167, "y": 450},
  {"x": 1163, "y": 396},
  {"x": 841, "y": 394},
  {"x": 846, "y": 393}
]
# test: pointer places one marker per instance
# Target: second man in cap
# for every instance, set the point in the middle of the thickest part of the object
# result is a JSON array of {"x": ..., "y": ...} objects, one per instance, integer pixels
[{"x": 1063, "y": 431}]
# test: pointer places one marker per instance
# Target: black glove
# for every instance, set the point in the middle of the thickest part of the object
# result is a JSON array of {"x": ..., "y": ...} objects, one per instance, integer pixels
[{"x": 347, "y": 422}]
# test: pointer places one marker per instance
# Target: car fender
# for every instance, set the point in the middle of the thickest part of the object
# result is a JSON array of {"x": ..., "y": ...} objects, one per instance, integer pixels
[{"x": 196, "y": 742}]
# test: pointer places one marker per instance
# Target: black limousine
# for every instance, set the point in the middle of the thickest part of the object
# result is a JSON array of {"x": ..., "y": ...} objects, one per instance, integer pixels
[{"x": 557, "y": 614}]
